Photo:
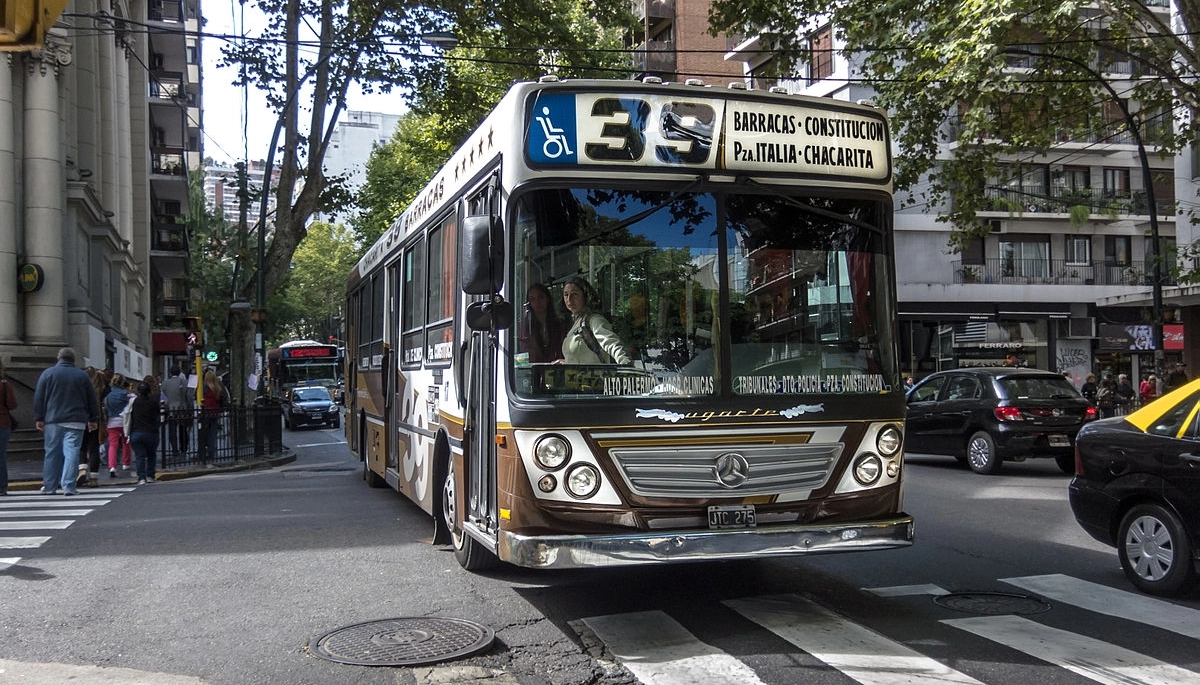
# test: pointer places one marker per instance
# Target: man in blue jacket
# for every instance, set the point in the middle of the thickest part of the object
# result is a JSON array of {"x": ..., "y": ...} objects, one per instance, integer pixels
[{"x": 64, "y": 406}]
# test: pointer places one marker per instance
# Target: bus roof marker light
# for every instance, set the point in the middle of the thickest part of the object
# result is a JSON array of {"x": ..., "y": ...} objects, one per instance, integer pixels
[
  {"x": 778, "y": 89},
  {"x": 548, "y": 78},
  {"x": 737, "y": 85},
  {"x": 652, "y": 80},
  {"x": 694, "y": 82}
]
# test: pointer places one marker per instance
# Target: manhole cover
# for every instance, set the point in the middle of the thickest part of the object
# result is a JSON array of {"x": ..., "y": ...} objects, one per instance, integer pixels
[
  {"x": 992, "y": 603},
  {"x": 403, "y": 642}
]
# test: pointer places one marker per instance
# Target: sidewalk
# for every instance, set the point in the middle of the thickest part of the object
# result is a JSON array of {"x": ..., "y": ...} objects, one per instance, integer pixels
[{"x": 26, "y": 474}]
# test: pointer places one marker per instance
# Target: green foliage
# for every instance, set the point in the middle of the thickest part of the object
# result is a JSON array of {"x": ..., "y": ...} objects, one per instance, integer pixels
[
  {"x": 214, "y": 250},
  {"x": 315, "y": 290},
  {"x": 942, "y": 66},
  {"x": 501, "y": 42}
]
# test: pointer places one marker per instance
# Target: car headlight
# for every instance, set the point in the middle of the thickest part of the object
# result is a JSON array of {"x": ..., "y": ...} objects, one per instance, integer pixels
[
  {"x": 888, "y": 441},
  {"x": 583, "y": 481},
  {"x": 867, "y": 468},
  {"x": 552, "y": 451}
]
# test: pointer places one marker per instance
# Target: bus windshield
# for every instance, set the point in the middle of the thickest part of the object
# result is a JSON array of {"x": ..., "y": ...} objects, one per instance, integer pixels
[{"x": 705, "y": 293}]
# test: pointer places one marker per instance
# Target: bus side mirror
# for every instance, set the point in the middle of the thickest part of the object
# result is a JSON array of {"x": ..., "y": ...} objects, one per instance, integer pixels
[
  {"x": 482, "y": 255},
  {"x": 490, "y": 315}
]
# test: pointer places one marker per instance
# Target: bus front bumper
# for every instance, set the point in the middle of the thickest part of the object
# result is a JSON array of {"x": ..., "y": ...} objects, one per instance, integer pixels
[{"x": 586, "y": 551}]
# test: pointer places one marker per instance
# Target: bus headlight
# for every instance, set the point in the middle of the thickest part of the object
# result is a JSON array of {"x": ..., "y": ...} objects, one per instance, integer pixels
[
  {"x": 551, "y": 452},
  {"x": 583, "y": 481},
  {"x": 888, "y": 441},
  {"x": 867, "y": 468}
]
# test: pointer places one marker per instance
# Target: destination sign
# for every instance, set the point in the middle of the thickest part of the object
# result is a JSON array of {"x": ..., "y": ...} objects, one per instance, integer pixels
[
  {"x": 308, "y": 352},
  {"x": 669, "y": 130}
]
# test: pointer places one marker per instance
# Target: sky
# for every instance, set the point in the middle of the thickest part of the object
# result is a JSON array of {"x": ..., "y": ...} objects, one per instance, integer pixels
[{"x": 228, "y": 110}]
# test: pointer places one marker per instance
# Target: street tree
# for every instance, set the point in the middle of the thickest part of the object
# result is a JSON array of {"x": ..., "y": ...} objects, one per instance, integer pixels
[
  {"x": 315, "y": 288},
  {"x": 376, "y": 45},
  {"x": 515, "y": 40},
  {"x": 1002, "y": 78}
]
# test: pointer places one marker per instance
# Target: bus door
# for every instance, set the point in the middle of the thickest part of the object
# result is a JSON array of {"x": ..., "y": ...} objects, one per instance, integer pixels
[{"x": 479, "y": 445}]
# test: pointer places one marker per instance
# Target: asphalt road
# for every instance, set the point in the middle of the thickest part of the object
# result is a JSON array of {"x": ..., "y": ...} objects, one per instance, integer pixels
[{"x": 226, "y": 579}]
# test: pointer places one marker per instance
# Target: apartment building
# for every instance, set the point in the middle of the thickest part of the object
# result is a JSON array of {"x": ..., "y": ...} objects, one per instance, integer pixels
[
  {"x": 1062, "y": 279},
  {"x": 673, "y": 43},
  {"x": 96, "y": 132}
]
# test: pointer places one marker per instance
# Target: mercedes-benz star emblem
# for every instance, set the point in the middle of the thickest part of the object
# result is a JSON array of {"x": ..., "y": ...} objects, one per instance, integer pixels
[{"x": 732, "y": 469}]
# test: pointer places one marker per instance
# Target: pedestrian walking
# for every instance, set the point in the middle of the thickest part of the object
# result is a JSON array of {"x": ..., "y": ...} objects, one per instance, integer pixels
[
  {"x": 119, "y": 451},
  {"x": 179, "y": 409},
  {"x": 64, "y": 406},
  {"x": 8, "y": 402},
  {"x": 213, "y": 402},
  {"x": 1125, "y": 394},
  {"x": 93, "y": 439},
  {"x": 1106, "y": 396},
  {"x": 143, "y": 430},
  {"x": 1177, "y": 378},
  {"x": 1148, "y": 389},
  {"x": 1089, "y": 389}
]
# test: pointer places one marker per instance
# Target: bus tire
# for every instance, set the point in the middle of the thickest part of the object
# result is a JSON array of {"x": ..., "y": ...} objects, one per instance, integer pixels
[{"x": 470, "y": 554}]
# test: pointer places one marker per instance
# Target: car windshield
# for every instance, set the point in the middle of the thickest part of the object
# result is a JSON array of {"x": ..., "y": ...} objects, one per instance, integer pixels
[
  {"x": 1038, "y": 388},
  {"x": 309, "y": 394}
]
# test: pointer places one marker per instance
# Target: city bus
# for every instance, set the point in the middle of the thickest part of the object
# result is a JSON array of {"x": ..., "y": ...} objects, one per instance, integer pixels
[
  {"x": 737, "y": 251},
  {"x": 303, "y": 362}
]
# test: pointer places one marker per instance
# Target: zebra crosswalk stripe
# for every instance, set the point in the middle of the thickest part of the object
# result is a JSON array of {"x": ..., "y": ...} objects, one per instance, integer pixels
[
  {"x": 856, "y": 651},
  {"x": 23, "y": 542},
  {"x": 1112, "y": 602},
  {"x": 659, "y": 651},
  {"x": 1099, "y": 661},
  {"x": 57, "y": 524}
]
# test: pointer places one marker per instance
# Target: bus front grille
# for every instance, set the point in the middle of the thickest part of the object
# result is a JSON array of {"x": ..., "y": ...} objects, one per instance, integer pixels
[{"x": 726, "y": 470}]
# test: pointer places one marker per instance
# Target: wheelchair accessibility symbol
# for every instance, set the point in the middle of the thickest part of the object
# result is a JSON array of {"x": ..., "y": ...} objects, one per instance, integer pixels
[{"x": 556, "y": 144}]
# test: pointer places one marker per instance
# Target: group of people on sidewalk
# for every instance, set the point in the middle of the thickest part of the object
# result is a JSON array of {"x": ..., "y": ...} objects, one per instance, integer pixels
[
  {"x": 90, "y": 414},
  {"x": 1118, "y": 396},
  {"x": 69, "y": 405}
]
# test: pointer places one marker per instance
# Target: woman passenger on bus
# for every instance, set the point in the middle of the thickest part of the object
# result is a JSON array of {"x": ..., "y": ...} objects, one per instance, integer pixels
[
  {"x": 590, "y": 338},
  {"x": 545, "y": 328}
]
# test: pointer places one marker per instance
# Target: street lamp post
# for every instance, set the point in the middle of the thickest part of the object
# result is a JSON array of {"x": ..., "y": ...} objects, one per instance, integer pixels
[{"x": 1156, "y": 266}]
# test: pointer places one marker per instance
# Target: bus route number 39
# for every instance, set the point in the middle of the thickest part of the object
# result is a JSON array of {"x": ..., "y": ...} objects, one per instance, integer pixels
[{"x": 731, "y": 516}]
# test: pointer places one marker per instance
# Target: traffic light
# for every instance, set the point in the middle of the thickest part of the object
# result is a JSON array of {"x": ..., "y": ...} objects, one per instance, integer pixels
[
  {"x": 195, "y": 331},
  {"x": 23, "y": 23}
]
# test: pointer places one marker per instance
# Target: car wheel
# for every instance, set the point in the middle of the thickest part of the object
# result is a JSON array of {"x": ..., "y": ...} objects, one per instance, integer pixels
[
  {"x": 337, "y": 422},
  {"x": 374, "y": 480},
  {"x": 1066, "y": 462},
  {"x": 471, "y": 555},
  {"x": 1155, "y": 551},
  {"x": 981, "y": 454}
]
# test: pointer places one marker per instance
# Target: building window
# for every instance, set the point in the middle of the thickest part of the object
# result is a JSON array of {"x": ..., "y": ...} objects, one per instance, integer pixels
[
  {"x": 1078, "y": 250},
  {"x": 821, "y": 55},
  {"x": 1025, "y": 257},
  {"x": 1116, "y": 182},
  {"x": 765, "y": 75},
  {"x": 1116, "y": 250}
]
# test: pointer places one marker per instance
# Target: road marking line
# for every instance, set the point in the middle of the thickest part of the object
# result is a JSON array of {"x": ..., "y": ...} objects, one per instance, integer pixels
[
  {"x": 35, "y": 525},
  {"x": 857, "y": 651},
  {"x": 1099, "y": 661},
  {"x": 1113, "y": 602},
  {"x": 23, "y": 543},
  {"x": 659, "y": 651},
  {"x": 47, "y": 512},
  {"x": 6, "y": 562},
  {"x": 61, "y": 502}
]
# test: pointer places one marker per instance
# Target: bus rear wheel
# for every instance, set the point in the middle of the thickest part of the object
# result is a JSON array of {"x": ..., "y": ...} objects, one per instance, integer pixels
[{"x": 470, "y": 553}]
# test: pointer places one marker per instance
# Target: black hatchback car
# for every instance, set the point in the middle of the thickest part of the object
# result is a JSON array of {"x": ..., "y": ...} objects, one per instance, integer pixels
[
  {"x": 1137, "y": 488},
  {"x": 985, "y": 416}
]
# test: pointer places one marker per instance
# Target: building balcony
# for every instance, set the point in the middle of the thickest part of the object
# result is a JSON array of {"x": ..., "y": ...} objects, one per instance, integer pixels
[
  {"x": 655, "y": 56},
  {"x": 1056, "y": 272},
  {"x": 1110, "y": 204},
  {"x": 653, "y": 9}
]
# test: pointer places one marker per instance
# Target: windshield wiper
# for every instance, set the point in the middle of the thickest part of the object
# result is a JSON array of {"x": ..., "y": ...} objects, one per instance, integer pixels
[{"x": 804, "y": 206}]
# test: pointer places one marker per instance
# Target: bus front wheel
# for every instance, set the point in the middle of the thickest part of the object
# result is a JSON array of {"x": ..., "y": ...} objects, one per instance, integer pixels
[{"x": 470, "y": 554}]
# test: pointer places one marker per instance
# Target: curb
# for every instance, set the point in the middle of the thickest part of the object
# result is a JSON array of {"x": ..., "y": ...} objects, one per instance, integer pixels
[{"x": 252, "y": 465}]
